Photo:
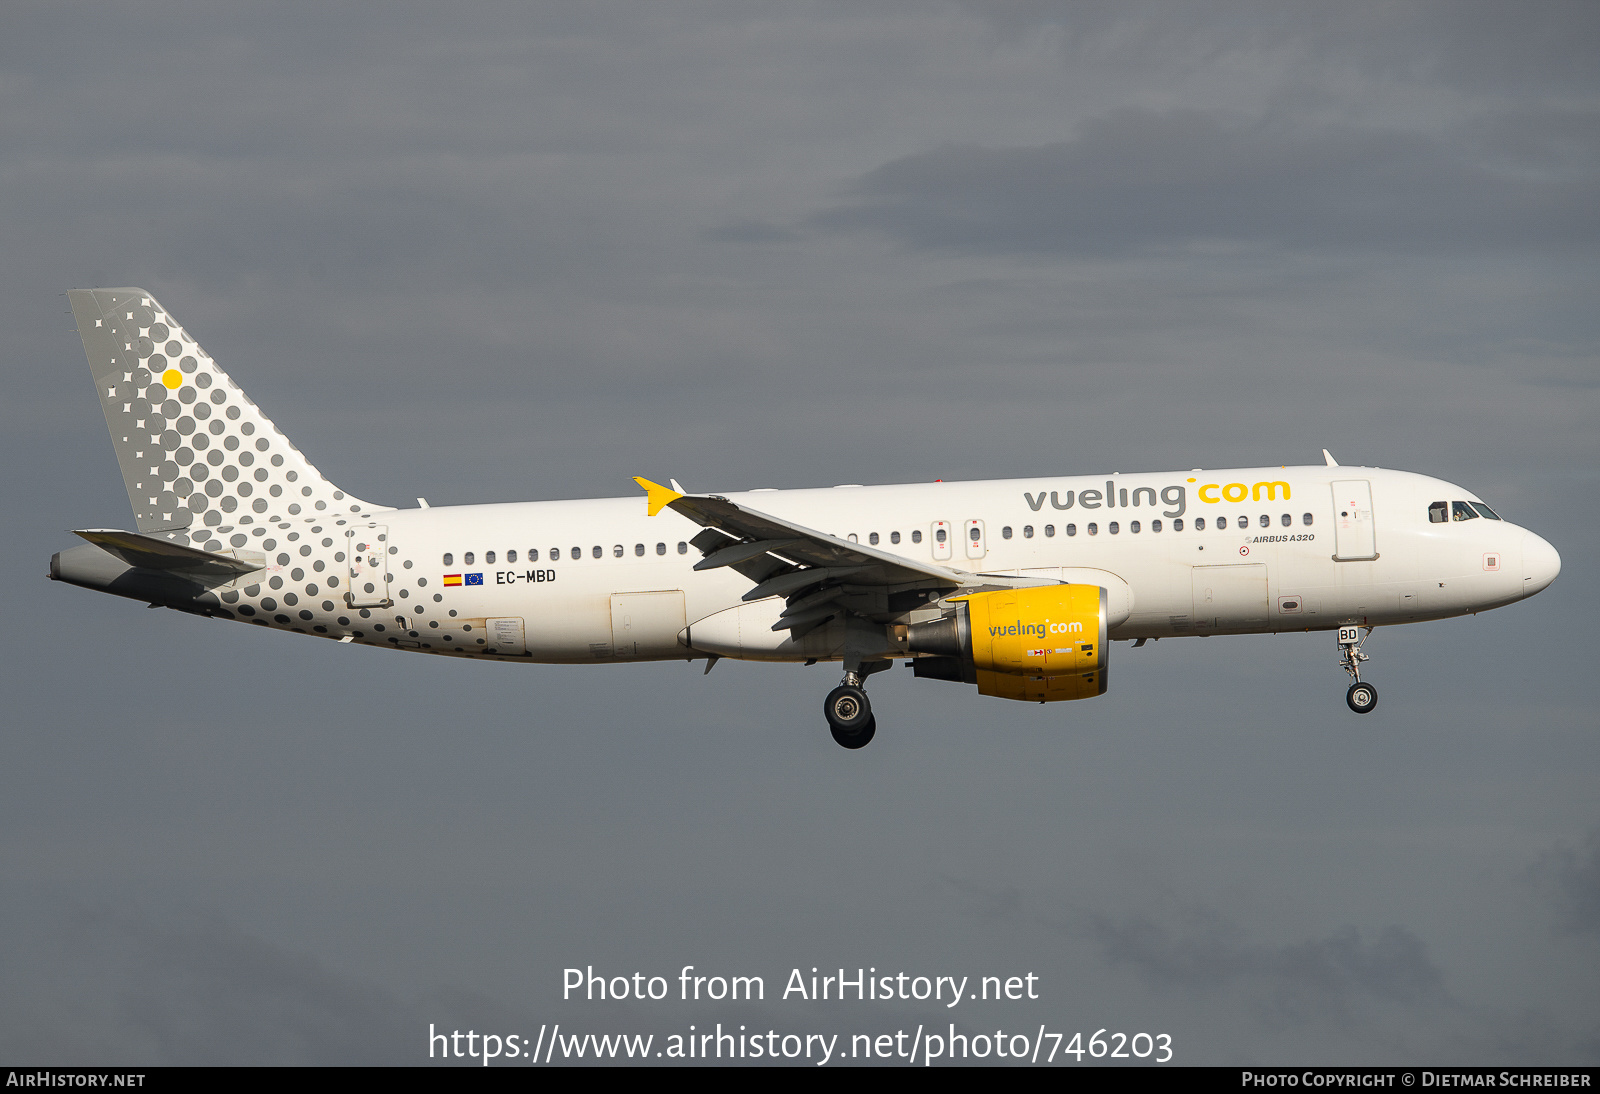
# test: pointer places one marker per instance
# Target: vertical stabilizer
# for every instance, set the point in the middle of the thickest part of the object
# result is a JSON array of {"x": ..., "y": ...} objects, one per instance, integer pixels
[{"x": 195, "y": 451}]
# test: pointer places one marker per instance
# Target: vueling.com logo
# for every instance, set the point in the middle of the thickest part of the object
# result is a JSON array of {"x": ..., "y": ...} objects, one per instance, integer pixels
[
  {"x": 1238, "y": 491},
  {"x": 1034, "y": 630}
]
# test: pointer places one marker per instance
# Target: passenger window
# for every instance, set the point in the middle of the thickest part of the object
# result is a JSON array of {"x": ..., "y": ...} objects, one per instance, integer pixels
[
  {"x": 916, "y": 536},
  {"x": 940, "y": 535},
  {"x": 1287, "y": 520},
  {"x": 1115, "y": 528},
  {"x": 1438, "y": 512},
  {"x": 1094, "y": 529},
  {"x": 1049, "y": 531},
  {"x": 1005, "y": 533},
  {"x": 638, "y": 550},
  {"x": 1199, "y": 524},
  {"x": 1071, "y": 529},
  {"x": 575, "y": 554},
  {"x": 1177, "y": 525},
  {"x": 977, "y": 534},
  {"x": 449, "y": 559},
  {"x": 533, "y": 554},
  {"x": 555, "y": 554},
  {"x": 616, "y": 552},
  {"x": 1485, "y": 510},
  {"x": 466, "y": 559},
  {"x": 1027, "y": 531},
  {"x": 683, "y": 548},
  {"x": 894, "y": 537},
  {"x": 873, "y": 539},
  {"x": 661, "y": 548},
  {"x": 488, "y": 558},
  {"x": 1266, "y": 521},
  {"x": 597, "y": 551},
  {"x": 1305, "y": 519},
  {"x": 1244, "y": 521},
  {"x": 1155, "y": 526},
  {"x": 1460, "y": 510},
  {"x": 1133, "y": 526}
]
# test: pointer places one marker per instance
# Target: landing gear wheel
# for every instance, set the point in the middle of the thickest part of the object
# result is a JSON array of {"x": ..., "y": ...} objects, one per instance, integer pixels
[
  {"x": 859, "y": 738},
  {"x": 848, "y": 709},
  {"x": 1362, "y": 698}
]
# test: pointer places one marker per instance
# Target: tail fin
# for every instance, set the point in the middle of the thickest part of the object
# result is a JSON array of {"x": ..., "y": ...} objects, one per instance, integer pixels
[{"x": 196, "y": 453}]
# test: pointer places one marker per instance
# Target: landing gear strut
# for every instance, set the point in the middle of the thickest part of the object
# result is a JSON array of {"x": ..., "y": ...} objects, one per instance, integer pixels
[{"x": 1362, "y": 697}]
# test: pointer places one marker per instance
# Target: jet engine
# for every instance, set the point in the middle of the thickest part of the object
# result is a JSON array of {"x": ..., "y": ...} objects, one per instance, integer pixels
[{"x": 1041, "y": 644}]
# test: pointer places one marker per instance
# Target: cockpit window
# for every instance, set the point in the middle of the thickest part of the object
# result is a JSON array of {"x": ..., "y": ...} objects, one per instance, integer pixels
[
  {"x": 1485, "y": 511},
  {"x": 1438, "y": 512},
  {"x": 1460, "y": 510}
]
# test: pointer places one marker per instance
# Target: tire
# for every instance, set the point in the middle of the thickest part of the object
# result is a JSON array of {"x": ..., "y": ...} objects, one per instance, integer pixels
[
  {"x": 847, "y": 709},
  {"x": 860, "y": 738},
  {"x": 1362, "y": 698}
]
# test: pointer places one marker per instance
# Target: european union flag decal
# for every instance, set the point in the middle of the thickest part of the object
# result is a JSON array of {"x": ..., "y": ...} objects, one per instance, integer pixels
[{"x": 473, "y": 579}]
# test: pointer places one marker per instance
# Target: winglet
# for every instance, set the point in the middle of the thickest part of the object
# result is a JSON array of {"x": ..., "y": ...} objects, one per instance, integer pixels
[
  {"x": 658, "y": 496},
  {"x": 1329, "y": 457}
]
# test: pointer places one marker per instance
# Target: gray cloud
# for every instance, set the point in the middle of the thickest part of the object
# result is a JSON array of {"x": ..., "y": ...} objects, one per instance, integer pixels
[
  {"x": 1462, "y": 46},
  {"x": 1140, "y": 181},
  {"x": 503, "y": 252},
  {"x": 1295, "y": 981},
  {"x": 191, "y": 987},
  {"x": 1570, "y": 878}
]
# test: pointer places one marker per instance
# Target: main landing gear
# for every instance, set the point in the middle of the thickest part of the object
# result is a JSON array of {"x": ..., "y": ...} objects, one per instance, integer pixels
[
  {"x": 1362, "y": 697},
  {"x": 849, "y": 711}
]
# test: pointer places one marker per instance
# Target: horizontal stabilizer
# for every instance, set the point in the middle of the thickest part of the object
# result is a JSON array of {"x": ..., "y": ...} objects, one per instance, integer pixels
[{"x": 150, "y": 553}]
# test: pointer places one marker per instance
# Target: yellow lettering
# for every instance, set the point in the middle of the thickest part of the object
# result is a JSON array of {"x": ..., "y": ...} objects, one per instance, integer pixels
[
  {"x": 1227, "y": 491},
  {"x": 1272, "y": 490},
  {"x": 1203, "y": 489}
]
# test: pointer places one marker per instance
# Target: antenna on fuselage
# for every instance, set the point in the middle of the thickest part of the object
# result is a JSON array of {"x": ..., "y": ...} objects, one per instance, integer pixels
[{"x": 1329, "y": 457}]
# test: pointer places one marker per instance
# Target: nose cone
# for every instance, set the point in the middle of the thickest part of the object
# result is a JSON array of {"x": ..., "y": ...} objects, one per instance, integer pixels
[{"x": 1540, "y": 564}]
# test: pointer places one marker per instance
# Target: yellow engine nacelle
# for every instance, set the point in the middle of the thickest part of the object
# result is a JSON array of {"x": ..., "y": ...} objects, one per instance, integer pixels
[{"x": 1042, "y": 644}]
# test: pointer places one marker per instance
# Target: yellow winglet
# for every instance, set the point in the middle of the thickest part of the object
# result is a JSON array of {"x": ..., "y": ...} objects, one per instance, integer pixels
[{"x": 658, "y": 496}]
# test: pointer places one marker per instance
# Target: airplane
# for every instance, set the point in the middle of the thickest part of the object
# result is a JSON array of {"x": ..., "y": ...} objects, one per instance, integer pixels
[{"x": 1015, "y": 586}]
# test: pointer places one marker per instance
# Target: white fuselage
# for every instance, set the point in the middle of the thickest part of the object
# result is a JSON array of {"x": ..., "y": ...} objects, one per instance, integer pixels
[{"x": 596, "y": 581}]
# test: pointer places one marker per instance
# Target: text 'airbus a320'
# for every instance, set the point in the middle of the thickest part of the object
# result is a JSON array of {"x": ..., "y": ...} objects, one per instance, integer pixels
[{"x": 1015, "y": 586}]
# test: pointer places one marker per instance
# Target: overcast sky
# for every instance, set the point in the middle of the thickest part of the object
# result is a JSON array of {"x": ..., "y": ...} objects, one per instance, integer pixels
[{"x": 485, "y": 253}]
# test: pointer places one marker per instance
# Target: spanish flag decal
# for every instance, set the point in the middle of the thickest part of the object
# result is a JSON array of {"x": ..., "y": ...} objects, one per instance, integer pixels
[{"x": 452, "y": 579}]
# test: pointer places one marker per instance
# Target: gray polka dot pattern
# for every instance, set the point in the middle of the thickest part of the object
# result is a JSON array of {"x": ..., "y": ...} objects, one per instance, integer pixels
[
  {"x": 205, "y": 468},
  {"x": 156, "y": 386}
]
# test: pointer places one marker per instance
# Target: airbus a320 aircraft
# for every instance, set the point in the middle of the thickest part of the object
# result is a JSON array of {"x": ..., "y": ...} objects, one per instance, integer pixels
[{"x": 1016, "y": 586}]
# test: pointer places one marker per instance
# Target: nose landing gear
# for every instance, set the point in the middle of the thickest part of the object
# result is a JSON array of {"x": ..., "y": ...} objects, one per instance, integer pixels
[{"x": 1362, "y": 697}]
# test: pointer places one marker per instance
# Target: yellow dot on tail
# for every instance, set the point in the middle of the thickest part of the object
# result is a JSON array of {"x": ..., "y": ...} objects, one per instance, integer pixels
[{"x": 172, "y": 378}]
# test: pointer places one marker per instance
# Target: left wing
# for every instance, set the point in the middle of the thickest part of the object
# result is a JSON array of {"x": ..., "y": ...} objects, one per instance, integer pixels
[{"x": 822, "y": 575}]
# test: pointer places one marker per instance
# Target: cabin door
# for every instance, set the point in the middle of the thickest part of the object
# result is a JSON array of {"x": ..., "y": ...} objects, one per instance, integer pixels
[
  {"x": 1354, "y": 536},
  {"x": 367, "y": 550}
]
